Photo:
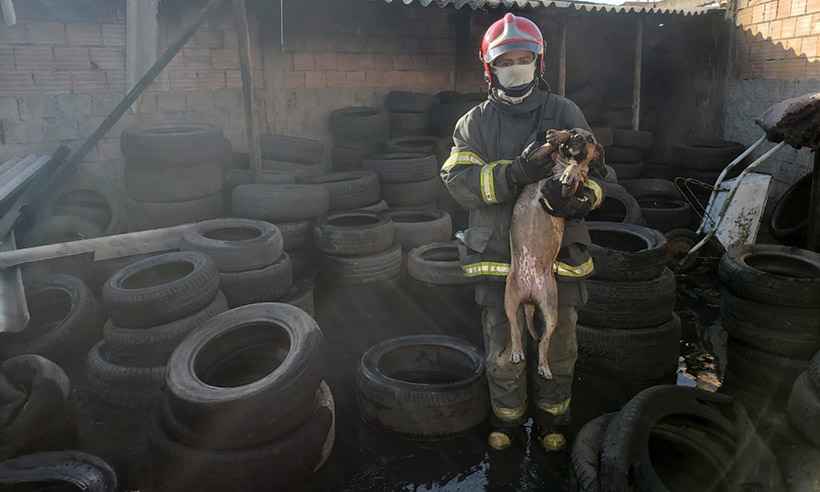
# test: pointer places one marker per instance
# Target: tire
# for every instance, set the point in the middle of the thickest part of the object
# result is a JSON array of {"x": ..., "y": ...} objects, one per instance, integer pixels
[
  {"x": 437, "y": 264},
  {"x": 408, "y": 102},
  {"x": 95, "y": 203},
  {"x": 181, "y": 284},
  {"x": 172, "y": 146},
  {"x": 628, "y": 170},
  {"x": 626, "y": 252},
  {"x": 363, "y": 269},
  {"x": 280, "y": 203},
  {"x": 295, "y": 169},
  {"x": 623, "y": 154},
  {"x": 66, "y": 321},
  {"x": 153, "y": 346},
  {"x": 235, "y": 245},
  {"x": 618, "y": 206},
  {"x": 344, "y": 158},
  {"x": 138, "y": 388},
  {"x": 360, "y": 124},
  {"x": 266, "y": 284},
  {"x": 354, "y": 234},
  {"x": 636, "y": 139},
  {"x": 642, "y": 354},
  {"x": 400, "y": 386},
  {"x": 629, "y": 305},
  {"x": 611, "y": 175},
  {"x": 772, "y": 274},
  {"x": 163, "y": 184},
  {"x": 403, "y": 167},
  {"x": 417, "y": 228},
  {"x": 378, "y": 207},
  {"x": 350, "y": 190},
  {"x": 762, "y": 372},
  {"x": 706, "y": 155},
  {"x": 237, "y": 177},
  {"x": 804, "y": 409},
  {"x": 409, "y": 125},
  {"x": 789, "y": 221},
  {"x": 291, "y": 149},
  {"x": 411, "y": 194},
  {"x": 207, "y": 388},
  {"x": 780, "y": 330},
  {"x": 661, "y": 203},
  {"x": 151, "y": 215},
  {"x": 304, "y": 262},
  {"x": 295, "y": 234},
  {"x": 445, "y": 116},
  {"x": 301, "y": 295},
  {"x": 586, "y": 453},
  {"x": 60, "y": 229},
  {"x": 604, "y": 135},
  {"x": 72, "y": 469},
  {"x": 413, "y": 145}
]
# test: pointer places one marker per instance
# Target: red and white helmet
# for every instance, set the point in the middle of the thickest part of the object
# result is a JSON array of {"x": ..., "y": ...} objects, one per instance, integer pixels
[{"x": 510, "y": 34}]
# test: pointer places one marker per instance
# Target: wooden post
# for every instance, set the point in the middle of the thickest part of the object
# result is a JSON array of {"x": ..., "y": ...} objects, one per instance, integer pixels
[
  {"x": 562, "y": 61},
  {"x": 636, "y": 85},
  {"x": 813, "y": 240},
  {"x": 240, "y": 14}
]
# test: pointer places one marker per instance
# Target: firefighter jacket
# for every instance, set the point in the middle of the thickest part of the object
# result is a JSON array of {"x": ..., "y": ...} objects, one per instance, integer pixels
[{"x": 486, "y": 139}]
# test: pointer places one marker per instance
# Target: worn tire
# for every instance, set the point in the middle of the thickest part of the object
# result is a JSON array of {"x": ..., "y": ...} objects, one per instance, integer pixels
[
  {"x": 437, "y": 264},
  {"x": 395, "y": 168},
  {"x": 360, "y": 124},
  {"x": 627, "y": 170},
  {"x": 363, "y": 269},
  {"x": 191, "y": 282},
  {"x": 162, "y": 185},
  {"x": 96, "y": 203},
  {"x": 408, "y": 102},
  {"x": 586, "y": 453},
  {"x": 173, "y": 145},
  {"x": 618, "y": 206},
  {"x": 661, "y": 203},
  {"x": 623, "y": 154},
  {"x": 123, "y": 386},
  {"x": 235, "y": 245},
  {"x": 295, "y": 234},
  {"x": 392, "y": 393},
  {"x": 291, "y": 149},
  {"x": 411, "y": 194},
  {"x": 409, "y": 125},
  {"x": 296, "y": 169},
  {"x": 772, "y": 274},
  {"x": 153, "y": 346},
  {"x": 636, "y": 139},
  {"x": 417, "y": 228},
  {"x": 426, "y": 145},
  {"x": 208, "y": 387},
  {"x": 305, "y": 262},
  {"x": 354, "y": 233},
  {"x": 706, "y": 155},
  {"x": 789, "y": 221},
  {"x": 280, "y": 203},
  {"x": 266, "y": 284},
  {"x": 349, "y": 158},
  {"x": 378, "y": 207},
  {"x": 237, "y": 177},
  {"x": 762, "y": 372},
  {"x": 804, "y": 409},
  {"x": 59, "y": 469},
  {"x": 301, "y": 295},
  {"x": 604, "y": 135},
  {"x": 60, "y": 229},
  {"x": 626, "y": 252},
  {"x": 629, "y": 305},
  {"x": 350, "y": 190},
  {"x": 152, "y": 215}
]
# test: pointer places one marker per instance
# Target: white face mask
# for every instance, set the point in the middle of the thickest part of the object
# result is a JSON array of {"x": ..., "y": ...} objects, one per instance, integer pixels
[{"x": 516, "y": 75}]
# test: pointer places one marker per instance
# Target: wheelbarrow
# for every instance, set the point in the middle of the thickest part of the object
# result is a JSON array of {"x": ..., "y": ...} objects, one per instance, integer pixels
[{"x": 735, "y": 207}]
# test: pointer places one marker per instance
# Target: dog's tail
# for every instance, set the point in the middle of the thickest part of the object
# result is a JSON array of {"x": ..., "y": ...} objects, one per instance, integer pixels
[{"x": 529, "y": 312}]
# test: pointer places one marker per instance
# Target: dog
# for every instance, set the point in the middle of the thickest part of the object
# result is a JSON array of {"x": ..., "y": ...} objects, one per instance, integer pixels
[{"x": 535, "y": 239}]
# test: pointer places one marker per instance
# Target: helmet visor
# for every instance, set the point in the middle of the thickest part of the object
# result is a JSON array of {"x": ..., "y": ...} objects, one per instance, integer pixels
[{"x": 522, "y": 45}]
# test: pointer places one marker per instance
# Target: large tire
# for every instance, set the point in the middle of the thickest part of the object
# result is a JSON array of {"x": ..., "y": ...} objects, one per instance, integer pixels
[
  {"x": 661, "y": 203},
  {"x": 354, "y": 234},
  {"x": 147, "y": 184},
  {"x": 781, "y": 330},
  {"x": 152, "y": 215},
  {"x": 280, "y": 203},
  {"x": 413, "y": 145},
  {"x": 60, "y": 229},
  {"x": 618, "y": 206},
  {"x": 349, "y": 158},
  {"x": 804, "y": 409},
  {"x": 626, "y": 305},
  {"x": 295, "y": 235},
  {"x": 240, "y": 363},
  {"x": 409, "y": 124},
  {"x": 171, "y": 146},
  {"x": 408, "y": 102},
  {"x": 123, "y": 386},
  {"x": 623, "y": 154},
  {"x": 760, "y": 372},
  {"x": 789, "y": 221},
  {"x": 235, "y": 245},
  {"x": 265, "y": 284},
  {"x": 636, "y": 139},
  {"x": 626, "y": 252},
  {"x": 161, "y": 289},
  {"x": 72, "y": 469},
  {"x": 295, "y": 169},
  {"x": 65, "y": 322},
  {"x": 425, "y": 386},
  {"x": 402, "y": 167},
  {"x": 97, "y": 203},
  {"x": 291, "y": 149},
  {"x": 627, "y": 170},
  {"x": 363, "y": 269},
  {"x": 349, "y": 190},
  {"x": 417, "y": 228},
  {"x": 153, "y": 346},
  {"x": 360, "y": 124},
  {"x": 772, "y": 274},
  {"x": 437, "y": 264},
  {"x": 411, "y": 194},
  {"x": 648, "y": 353},
  {"x": 706, "y": 155},
  {"x": 586, "y": 453}
]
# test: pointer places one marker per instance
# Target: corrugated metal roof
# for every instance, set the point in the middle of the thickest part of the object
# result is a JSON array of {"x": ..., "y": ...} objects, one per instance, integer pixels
[{"x": 582, "y": 6}]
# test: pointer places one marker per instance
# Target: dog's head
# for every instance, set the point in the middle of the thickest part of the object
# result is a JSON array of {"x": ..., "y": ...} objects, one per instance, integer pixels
[{"x": 578, "y": 149}]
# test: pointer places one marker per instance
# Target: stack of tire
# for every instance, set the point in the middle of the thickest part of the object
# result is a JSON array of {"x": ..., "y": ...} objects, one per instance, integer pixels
[
  {"x": 408, "y": 180},
  {"x": 618, "y": 206},
  {"x": 627, "y": 152},
  {"x": 662, "y": 205},
  {"x": 358, "y": 132},
  {"x": 153, "y": 305},
  {"x": 249, "y": 255},
  {"x": 358, "y": 247},
  {"x": 704, "y": 159},
  {"x": 448, "y": 108},
  {"x": 173, "y": 174},
  {"x": 804, "y": 403},
  {"x": 409, "y": 113},
  {"x": 245, "y": 406},
  {"x": 770, "y": 307},
  {"x": 628, "y": 334},
  {"x": 674, "y": 438},
  {"x": 351, "y": 190}
]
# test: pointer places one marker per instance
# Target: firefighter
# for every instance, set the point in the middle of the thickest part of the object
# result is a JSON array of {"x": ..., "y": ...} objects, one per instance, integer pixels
[{"x": 492, "y": 160}]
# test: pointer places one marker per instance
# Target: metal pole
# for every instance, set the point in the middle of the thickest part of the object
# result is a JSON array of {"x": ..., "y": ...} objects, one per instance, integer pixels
[
  {"x": 636, "y": 86},
  {"x": 813, "y": 240},
  {"x": 562, "y": 61},
  {"x": 240, "y": 14}
]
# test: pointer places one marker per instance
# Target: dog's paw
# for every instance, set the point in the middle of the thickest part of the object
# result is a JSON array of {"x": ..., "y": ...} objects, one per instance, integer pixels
[
  {"x": 517, "y": 356},
  {"x": 544, "y": 371}
]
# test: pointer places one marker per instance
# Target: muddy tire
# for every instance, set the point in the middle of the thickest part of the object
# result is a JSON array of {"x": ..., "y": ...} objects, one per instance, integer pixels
[
  {"x": 424, "y": 386},
  {"x": 629, "y": 305},
  {"x": 618, "y": 206},
  {"x": 415, "y": 194},
  {"x": 363, "y": 269},
  {"x": 235, "y": 245},
  {"x": 354, "y": 234},
  {"x": 626, "y": 252},
  {"x": 120, "y": 385},
  {"x": 280, "y": 203},
  {"x": 266, "y": 284},
  {"x": 349, "y": 190},
  {"x": 804, "y": 409},
  {"x": 437, "y": 264},
  {"x": 417, "y": 228},
  {"x": 403, "y": 167},
  {"x": 586, "y": 453}
]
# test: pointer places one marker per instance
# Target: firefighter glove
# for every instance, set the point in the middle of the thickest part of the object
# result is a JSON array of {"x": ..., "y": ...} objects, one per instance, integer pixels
[{"x": 533, "y": 165}]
